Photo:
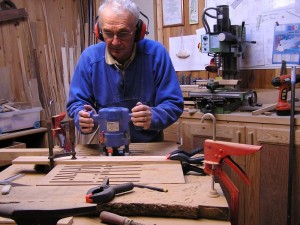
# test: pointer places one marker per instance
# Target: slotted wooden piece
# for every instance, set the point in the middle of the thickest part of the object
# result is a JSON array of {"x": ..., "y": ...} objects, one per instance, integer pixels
[{"x": 67, "y": 175}]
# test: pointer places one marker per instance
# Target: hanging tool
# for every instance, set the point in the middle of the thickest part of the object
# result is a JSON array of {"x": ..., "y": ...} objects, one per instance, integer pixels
[
  {"x": 283, "y": 107},
  {"x": 114, "y": 219},
  {"x": 216, "y": 154},
  {"x": 8, "y": 184},
  {"x": 187, "y": 159}
]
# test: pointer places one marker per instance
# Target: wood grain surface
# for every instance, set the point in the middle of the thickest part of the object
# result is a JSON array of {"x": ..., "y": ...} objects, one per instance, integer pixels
[{"x": 70, "y": 175}]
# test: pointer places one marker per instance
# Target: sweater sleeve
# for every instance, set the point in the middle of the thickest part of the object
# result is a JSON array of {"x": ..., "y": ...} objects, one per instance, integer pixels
[
  {"x": 169, "y": 100},
  {"x": 80, "y": 88}
]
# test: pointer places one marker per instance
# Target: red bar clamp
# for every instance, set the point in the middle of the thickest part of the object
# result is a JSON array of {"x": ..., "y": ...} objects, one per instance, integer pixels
[{"x": 218, "y": 152}]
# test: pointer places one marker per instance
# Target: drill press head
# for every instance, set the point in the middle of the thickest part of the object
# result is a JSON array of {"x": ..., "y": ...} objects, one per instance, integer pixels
[{"x": 224, "y": 42}]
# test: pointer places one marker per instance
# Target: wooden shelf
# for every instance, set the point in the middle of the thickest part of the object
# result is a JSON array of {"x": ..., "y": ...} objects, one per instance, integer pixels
[
  {"x": 33, "y": 138},
  {"x": 22, "y": 133}
]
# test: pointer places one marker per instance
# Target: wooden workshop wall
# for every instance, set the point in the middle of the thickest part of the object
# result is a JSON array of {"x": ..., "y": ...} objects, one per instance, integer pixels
[{"x": 38, "y": 54}]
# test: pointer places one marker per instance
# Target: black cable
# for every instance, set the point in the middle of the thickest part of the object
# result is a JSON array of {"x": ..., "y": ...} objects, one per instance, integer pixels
[{"x": 204, "y": 21}]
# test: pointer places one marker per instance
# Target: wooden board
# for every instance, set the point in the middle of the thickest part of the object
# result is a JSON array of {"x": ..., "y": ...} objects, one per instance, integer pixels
[
  {"x": 189, "y": 200},
  {"x": 70, "y": 175},
  {"x": 43, "y": 160},
  {"x": 65, "y": 221}
]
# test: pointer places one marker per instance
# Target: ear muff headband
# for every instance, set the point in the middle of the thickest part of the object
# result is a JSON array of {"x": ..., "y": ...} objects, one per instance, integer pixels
[{"x": 141, "y": 29}]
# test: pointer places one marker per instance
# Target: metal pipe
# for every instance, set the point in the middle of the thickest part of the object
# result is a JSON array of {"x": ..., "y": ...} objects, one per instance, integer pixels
[
  {"x": 213, "y": 192},
  {"x": 292, "y": 147},
  {"x": 214, "y": 123}
]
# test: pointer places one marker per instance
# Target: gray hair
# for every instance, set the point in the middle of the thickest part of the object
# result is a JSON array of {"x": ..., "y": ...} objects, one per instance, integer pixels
[{"x": 118, "y": 6}]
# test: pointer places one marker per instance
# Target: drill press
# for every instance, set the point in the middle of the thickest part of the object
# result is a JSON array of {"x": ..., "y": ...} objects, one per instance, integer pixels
[{"x": 224, "y": 44}]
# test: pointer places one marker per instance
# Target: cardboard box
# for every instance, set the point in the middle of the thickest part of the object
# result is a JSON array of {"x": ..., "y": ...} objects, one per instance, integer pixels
[{"x": 18, "y": 120}]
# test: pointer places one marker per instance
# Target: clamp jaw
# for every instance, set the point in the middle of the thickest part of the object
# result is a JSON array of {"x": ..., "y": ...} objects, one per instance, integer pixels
[
  {"x": 106, "y": 193},
  {"x": 218, "y": 152}
]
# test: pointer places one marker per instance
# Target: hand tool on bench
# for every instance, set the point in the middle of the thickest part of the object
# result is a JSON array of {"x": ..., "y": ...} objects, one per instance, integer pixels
[
  {"x": 216, "y": 154},
  {"x": 187, "y": 159},
  {"x": 114, "y": 219},
  {"x": 7, "y": 183},
  {"x": 283, "y": 107},
  {"x": 44, "y": 213},
  {"x": 105, "y": 193}
]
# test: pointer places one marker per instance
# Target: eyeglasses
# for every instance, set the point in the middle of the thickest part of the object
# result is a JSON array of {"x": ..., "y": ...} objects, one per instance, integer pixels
[{"x": 123, "y": 35}]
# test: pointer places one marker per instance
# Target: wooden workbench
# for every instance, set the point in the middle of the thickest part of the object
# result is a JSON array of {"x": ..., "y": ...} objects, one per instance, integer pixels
[
  {"x": 192, "y": 191},
  {"x": 270, "y": 131}
]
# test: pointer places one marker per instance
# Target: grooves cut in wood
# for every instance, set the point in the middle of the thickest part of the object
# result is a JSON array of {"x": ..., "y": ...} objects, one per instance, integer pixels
[{"x": 67, "y": 175}]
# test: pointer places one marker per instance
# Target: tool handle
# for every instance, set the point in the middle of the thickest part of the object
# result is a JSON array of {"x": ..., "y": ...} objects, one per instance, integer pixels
[
  {"x": 111, "y": 218},
  {"x": 114, "y": 219},
  {"x": 120, "y": 188}
]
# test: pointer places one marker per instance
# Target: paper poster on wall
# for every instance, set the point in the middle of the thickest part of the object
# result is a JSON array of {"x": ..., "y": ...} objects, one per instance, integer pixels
[
  {"x": 286, "y": 44},
  {"x": 259, "y": 22},
  {"x": 185, "y": 54}
]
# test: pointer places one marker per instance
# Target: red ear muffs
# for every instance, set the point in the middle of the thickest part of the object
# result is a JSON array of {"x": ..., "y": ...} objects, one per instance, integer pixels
[
  {"x": 141, "y": 31},
  {"x": 97, "y": 31}
]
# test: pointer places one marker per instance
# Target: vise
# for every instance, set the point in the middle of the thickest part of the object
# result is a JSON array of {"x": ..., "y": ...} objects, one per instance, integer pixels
[{"x": 114, "y": 130}]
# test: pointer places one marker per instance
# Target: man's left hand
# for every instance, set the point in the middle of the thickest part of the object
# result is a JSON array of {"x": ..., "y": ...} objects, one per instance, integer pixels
[{"x": 141, "y": 116}]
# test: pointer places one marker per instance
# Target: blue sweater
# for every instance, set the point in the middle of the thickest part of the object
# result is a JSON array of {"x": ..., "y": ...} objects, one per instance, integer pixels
[{"x": 150, "y": 78}]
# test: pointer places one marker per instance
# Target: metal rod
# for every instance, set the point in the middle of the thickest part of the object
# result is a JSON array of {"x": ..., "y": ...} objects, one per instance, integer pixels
[
  {"x": 214, "y": 123},
  {"x": 292, "y": 147},
  {"x": 213, "y": 192}
]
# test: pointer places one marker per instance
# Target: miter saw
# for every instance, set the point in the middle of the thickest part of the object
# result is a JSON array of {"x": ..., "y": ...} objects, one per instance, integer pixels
[{"x": 224, "y": 44}]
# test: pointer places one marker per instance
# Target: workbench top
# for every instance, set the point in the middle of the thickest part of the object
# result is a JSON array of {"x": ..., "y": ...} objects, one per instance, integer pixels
[
  {"x": 244, "y": 117},
  {"x": 76, "y": 194}
]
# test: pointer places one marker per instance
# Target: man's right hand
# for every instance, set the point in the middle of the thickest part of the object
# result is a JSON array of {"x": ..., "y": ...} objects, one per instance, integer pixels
[{"x": 85, "y": 121}]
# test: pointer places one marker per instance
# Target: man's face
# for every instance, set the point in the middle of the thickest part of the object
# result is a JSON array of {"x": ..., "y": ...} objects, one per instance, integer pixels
[{"x": 118, "y": 32}]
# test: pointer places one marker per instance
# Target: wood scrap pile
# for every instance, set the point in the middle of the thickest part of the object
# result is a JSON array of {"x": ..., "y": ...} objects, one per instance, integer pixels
[{"x": 7, "y": 106}]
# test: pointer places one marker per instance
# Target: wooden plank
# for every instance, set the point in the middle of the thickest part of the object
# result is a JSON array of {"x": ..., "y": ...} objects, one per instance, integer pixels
[
  {"x": 64, "y": 221},
  {"x": 93, "y": 174},
  {"x": 65, "y": 71},
  {"x": 136, "y": 149},
  {"x": 5, "y": 83},
  {"x": 13, "y": 153},
  {"x": 43, "y": 160},
  {"x": 23, "y": 71},
  {"x": 189, "y": 200},
  {"x": 265, "y": 108}
]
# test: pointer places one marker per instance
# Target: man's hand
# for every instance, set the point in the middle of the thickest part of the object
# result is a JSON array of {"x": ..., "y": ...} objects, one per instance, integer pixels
[
  {"x": 85, "y": 121},
  {"x": 141, "y": 116}
]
